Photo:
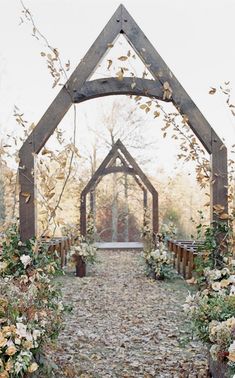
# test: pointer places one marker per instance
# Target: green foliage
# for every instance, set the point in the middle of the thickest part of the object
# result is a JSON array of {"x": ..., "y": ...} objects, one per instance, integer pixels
[
  {"x": 31, "y": 310},
  {"x": 90, "y": 232},
  {"x": 172, "y": 224},
  {"x": 19, "y": 258}
]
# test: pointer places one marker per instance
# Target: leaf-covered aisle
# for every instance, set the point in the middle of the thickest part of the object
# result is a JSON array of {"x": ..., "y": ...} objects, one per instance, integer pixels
[{"x": 125, "y": 325}]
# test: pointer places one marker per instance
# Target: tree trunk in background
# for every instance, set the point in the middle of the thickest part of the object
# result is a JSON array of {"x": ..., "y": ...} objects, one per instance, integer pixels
[
  {"x": 126, "y": 215},
  {"x": 2, "y": 206},
  {"x": 114, "y": 210}
]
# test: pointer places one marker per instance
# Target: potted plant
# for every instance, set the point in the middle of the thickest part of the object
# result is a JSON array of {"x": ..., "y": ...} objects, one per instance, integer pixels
[{"x": 82, "y": 254}]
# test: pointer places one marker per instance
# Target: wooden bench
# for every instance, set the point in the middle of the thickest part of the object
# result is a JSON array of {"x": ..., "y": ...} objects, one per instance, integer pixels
[
  {"x": 184, "y": 253},
  {"x": 61, "y": 245}
]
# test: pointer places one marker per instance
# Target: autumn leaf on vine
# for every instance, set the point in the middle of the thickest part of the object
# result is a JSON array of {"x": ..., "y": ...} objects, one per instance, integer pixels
[
  {"x": 67, "y": 65},
  {"x": 26, "y": 195},
  {"x": 110, "y": 62},
  {"x": 167, "y": 91},
  {"x": 156, "y": 114},
  {"x": 133, "y": 85},
  {"x": 123, "y": 58},
  {"x": 212, "y": 90},
  {"x": 218, "y": 209},
  {"x": 224, "y": 216},
  {"x": 120, "y": 74}
]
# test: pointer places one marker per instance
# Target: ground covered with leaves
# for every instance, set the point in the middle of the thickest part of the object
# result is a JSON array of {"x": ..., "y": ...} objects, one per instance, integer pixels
[{"x": 124, "y": 325}]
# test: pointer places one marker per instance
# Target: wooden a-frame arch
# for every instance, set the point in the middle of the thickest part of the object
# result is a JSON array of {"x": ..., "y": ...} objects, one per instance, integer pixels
[
  {"x": 78, "y": 89},
  {"x": 127, "y": 170},
  {"x": 130, "y": 167}
]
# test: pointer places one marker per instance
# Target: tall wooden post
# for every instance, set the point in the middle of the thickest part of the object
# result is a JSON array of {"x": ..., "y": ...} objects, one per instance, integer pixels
[
  {"x": 219, "y": 183},
  {"x": 155, "y": 213},
  {"x": 83, "y": 215},
  {"x": 27, "y": 208}
]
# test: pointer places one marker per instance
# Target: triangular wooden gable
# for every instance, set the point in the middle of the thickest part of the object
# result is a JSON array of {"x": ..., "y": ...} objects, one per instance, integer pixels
[
  {"x": 79, "y": 89},
  {"x": 129, "y": 167}
]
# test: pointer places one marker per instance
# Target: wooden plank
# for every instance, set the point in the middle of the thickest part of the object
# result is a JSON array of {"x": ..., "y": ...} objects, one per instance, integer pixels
[
  {"x": 219, "y": 185},
  {"x": 192, "y": 255},
  {"x": 155, "y": 215},
  {"x": 179, "y": 257},
  {"x": 119, "y": 245},
  {"x": 134, "y": 164},
  {"x": 118, "y": 169},
  {"x": 175, "y": 251},
  {"x": 112, "y": 86},
  {"x": 145, "y": 198},
  {"x": 27, "y": 210},
  {"x": 99, "y": 171},
  {"x": 185, "y": 259},
  {"x": 161, "y": 72}
]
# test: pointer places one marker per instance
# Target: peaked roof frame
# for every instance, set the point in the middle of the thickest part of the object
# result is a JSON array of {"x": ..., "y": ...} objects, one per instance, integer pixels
[
  {"x": 78, "y": 89},
  {"x": 129, "y": 167}
]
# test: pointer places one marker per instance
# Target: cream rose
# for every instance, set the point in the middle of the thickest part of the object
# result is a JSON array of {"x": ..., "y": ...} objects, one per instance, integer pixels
[
  {"x": 11, "y": 350},
  {"x": 231, "y": 351},
  {"x": 33, "y": 367},
  {"x": 3, "y": 341},
  {"x": 26, "y": 260}
]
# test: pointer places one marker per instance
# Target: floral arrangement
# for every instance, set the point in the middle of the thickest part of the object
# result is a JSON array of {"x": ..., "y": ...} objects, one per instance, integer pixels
[
  {"x": 85, "y": 250},
  {"x": 31, "y": 310},
  {"x": 158, "y": 261},
  {"x": 169, "y": 230},
  {"x": 212, "y": 312}
]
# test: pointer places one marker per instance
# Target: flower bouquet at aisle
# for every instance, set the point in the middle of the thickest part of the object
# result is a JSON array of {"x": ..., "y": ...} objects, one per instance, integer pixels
[
  {"x": 31, "y": 310},
  {"x": 212, "y": 313},
  {"x": 158, "y": 261},
  {"x": 81, "y": 255}
]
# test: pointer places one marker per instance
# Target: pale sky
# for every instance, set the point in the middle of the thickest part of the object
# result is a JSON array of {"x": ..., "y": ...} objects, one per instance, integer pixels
[{"x": 194, "y": 37}]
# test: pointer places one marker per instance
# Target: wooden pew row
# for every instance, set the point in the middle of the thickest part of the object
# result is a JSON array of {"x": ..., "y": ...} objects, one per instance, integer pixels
[
  {"x": 184, "y": 253},
  {"x": 61, "y": 245}
]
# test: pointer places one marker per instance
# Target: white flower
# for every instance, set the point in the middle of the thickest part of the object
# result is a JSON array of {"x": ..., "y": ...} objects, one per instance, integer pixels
[
  {"x": 215, "y": 274},
  {"x": 155, "y": 254},
  {"x": 33, "y": 367},
  {"x": 231, "y": 351},
  {"x": 26, "y": 260},
  {"x": 190, "y": 298},
  {"x": 3, "y": 266},
  {"x": 17, "y": 341},
  {"x": 225, "y": 271},
  {"x": 232, "y": 278},
  {"x": 60, "y": 307},
  {"x": 21, "y": 329},
  {"x": 216, "y": 286},
  {"x": 214, "y": 350},
  {"x": 36, "y": 334},
  {"x": 18, "y": 367},
  {"x": 232, "y": 290},
  {"x": 212, "y": 275},
  {"x": 230, "y": 323}
]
